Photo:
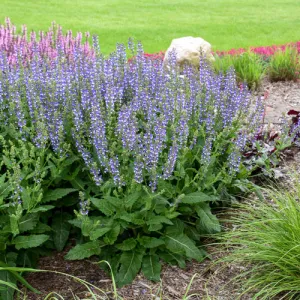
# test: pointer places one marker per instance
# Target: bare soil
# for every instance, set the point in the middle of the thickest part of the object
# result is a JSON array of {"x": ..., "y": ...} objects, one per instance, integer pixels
[
  {"x": 280, "y": 97},
  {"x": 211, "y": 282}
]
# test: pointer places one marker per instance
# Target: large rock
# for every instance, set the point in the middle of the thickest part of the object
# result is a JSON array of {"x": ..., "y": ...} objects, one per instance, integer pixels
[{"x": 188, "y": 50}]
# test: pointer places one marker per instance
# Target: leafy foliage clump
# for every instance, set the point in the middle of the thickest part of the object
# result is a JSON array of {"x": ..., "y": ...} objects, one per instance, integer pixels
[
  {"x": 250, "y": 67},
  {"x": 30, "y": 225},
  {"x": 284, "y": 65}
]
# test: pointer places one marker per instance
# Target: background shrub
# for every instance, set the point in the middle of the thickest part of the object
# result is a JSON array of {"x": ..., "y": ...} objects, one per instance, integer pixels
[
  {"x": 249, "y": 67},
  {"x": 284, "y": 65}
]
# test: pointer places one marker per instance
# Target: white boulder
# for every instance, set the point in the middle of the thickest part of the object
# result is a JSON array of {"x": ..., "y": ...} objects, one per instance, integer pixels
[{"x": 188, "y": 50}]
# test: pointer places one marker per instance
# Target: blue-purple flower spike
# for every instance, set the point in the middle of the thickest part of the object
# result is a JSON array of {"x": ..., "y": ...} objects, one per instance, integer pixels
[{"x": 127, "y": 120}]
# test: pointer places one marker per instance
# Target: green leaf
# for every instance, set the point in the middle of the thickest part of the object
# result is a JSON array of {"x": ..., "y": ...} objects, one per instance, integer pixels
[
  {"x": 126, "y": 217},
  {"x": 52, "y": 195},
  {"x": 14, "y": 227},
  {"x": 40, "y": 228},
  {"x": 10, "y": 279},
  {"x": 2, "y": 179},
  {"x": 28, "y": 201},
  {"x": 180, "y": 171},
  {"x": 150, "y": 242},
  {"x": 4, "y": 220},
  {"x": 156, "y": 220},
  {"x": 160, "y": 204},
  {"x": 86, "y": 250},
  {"x": 177, "y": 228},
  {"x": 116, "y": 202},
  {"x": 173, "y": 259},
  {"x": 112, "y": 235},
  {"x": 151, "y": 267},
  {"x": 78, "y": 183},
  {"x": 207, "y": 222},
  {"x": 87, "y": 225},
  {"x": 76, "y": 222},
  {"x": 10, "y": 259},
  {"x": 61, "y": 230},
  {"x": 186, "y": 209},
  {"x": 29, "y": 241},
  {"x": 182, "y": 245},
  {"x": 28, "y": 258},
  {"x": 127, "y": 245},
  {"x": 96, "y": 233},
  {"x": 172, "y": 215},
  {"x": 193, "y": 233},
  {"x": 3, "y": 241},
  {"x": 67, "y": 201},
  {"x": 14, "y": 271},
  {"x": 148, "y": 201},
  {"x": 167, "y": 186},
  {"x": 28, "y": 222},
  {"x": 132, "y": 198},
  {"x": 5, "y": 188},
  {"x": 104, "y": 206},
  {"x": 7, "y": 293},
  {"x": 135, "y": 218},
  {"x": 155, "y": 227},
  {"x": 42, "y": 208},
  {"x": 130, "y": 264},
  {"x": 197, "y": 197},
  {"x": 70, "y": 160},
  {"x": 7, "y": 161}
]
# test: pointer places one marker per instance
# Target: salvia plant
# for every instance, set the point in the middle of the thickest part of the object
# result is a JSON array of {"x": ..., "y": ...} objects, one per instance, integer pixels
[{"x": 128, "y": 158}]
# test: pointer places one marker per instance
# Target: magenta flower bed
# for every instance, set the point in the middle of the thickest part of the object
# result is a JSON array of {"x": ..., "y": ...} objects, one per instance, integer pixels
[
  {"x": 45, "y": 44},
  {"x": 265, "y": 51}
]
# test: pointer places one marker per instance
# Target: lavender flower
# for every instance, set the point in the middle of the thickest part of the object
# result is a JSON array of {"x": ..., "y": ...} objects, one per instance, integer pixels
[
  {"x": 84, "y": 204},
  {"x": 126, "y": 120}
]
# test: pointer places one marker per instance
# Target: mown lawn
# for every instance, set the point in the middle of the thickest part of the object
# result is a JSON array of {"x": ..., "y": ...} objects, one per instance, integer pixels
[{"x": 224, "y": 23}]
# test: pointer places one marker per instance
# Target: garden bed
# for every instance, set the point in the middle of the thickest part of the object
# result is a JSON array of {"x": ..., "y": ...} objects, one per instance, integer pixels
[
  {"x": 212, "y": 280},
  {"x": 129, "y": 162}
]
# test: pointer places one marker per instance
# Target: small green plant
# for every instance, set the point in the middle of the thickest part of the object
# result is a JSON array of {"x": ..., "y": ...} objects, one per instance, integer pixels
[
  {"x": 284, "y": 65},
  {"x": 249, "y": 67},
  {"x": 28, "y": 221},
  {"x": 267, "y": 239},
  {"x": 223, "y": 63}
]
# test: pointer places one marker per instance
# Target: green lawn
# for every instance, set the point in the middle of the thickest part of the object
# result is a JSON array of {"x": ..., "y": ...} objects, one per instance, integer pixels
[{"x": 224, "y": 23}]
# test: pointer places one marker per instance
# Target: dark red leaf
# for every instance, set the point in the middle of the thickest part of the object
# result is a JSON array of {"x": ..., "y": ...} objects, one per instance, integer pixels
[{"x": 293, "y": 112}]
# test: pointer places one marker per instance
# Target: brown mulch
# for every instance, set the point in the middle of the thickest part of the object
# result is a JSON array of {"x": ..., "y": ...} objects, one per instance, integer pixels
[
  {"x": 212, "y": 281},
  {"x": 280, "y": 97}
]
